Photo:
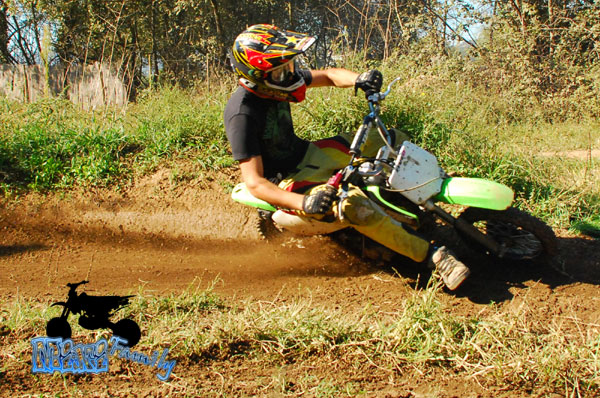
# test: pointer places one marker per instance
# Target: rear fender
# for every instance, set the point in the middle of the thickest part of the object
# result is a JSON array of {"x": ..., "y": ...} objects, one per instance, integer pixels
[
  {"x": 242, "y": 195},
  {"x": 475, "y": 192}
]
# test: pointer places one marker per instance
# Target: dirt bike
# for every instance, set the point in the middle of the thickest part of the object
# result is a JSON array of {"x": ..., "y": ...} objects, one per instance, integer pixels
[
  {"x": 409, "y": 184},
  {"x": 95, "y": 313}
]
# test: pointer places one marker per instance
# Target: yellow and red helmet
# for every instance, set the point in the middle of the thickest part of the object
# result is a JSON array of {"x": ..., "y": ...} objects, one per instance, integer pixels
[{"x": 264, "y": 58}]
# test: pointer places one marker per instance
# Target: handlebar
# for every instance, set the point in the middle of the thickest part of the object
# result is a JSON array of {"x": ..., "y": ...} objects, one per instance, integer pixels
[
  {"x": 372, "y": 119},
  {"x": 75, "y": 285},
  {"x": 381, "y": 96}
]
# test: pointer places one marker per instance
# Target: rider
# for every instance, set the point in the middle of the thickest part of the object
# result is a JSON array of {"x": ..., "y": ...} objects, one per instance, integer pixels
[{"x": 259, "y": 128}]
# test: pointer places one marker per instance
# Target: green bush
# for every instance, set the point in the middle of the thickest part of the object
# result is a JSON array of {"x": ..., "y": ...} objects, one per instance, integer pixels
[{"x": 50, "y": 144}]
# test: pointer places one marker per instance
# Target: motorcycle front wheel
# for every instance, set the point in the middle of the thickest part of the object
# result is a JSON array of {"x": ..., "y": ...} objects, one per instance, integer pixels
[
  {"x": 129, "y": 330},
  {"x": 524, "y": 237}
]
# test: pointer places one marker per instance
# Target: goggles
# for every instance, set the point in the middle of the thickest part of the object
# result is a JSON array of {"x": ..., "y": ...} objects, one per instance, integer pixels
[
  {"x": 286, "y": 74},
  {"x": 283, "y": 74},
  {"x": 286, "y": 78}
]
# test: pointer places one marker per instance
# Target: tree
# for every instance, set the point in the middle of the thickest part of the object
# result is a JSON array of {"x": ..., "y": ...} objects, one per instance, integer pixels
[{"x": 182, "y": 40}]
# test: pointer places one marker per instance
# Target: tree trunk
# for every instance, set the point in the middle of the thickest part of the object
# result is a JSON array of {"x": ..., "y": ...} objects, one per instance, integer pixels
[
  {"x": 5, "y": 56},
  {"x": 218, "y": 24},
  {"x": 445, "y": 31},
  {"x": 494, "y": 12},
  {"x": 519, "y": 10},
  {"x": 551, "y": 30},
  {"x": 133, "y": 80},
  {"x": 154, "y": 57},
  {"x": 34, "y": 16}
]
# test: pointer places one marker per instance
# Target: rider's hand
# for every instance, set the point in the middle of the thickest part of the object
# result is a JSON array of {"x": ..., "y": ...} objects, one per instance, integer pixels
[
  {"x": 370, "y": 82},
  {"x": 320, "y": 200}
]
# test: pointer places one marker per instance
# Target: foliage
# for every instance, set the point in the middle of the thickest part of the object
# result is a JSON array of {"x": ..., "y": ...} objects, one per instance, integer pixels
[
  {"x": 50, "y": 144},
  {"x": 546, "y": 53}
]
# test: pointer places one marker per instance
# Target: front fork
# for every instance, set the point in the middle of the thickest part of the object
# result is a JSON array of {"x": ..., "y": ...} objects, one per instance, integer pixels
[
  {"x": 65, "y": 313},
  {"x": 468, "y": 229}
]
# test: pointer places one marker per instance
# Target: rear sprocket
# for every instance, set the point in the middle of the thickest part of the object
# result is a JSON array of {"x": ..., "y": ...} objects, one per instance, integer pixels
[{"x": 266, "y": 227}]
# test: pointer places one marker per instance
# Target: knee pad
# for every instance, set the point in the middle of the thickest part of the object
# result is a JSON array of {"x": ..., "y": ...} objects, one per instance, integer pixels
[{"x": 360, "y": 210}]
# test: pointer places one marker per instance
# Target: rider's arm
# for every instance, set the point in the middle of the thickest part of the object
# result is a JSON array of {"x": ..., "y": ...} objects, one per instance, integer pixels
[
  {"x": 333, "y": 77},
  {"x": 252, "y": 167},
  {"x": 242, "y": 135},
  {"x": 260, "y": 187}
]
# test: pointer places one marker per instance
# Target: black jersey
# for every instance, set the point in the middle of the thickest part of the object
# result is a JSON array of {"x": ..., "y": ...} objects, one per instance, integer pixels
[{"x": 257, "y": 126}]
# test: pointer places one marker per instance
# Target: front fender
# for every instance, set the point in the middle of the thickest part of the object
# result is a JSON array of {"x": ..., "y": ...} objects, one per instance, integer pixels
[
  {"x": 475, "y": 192},
  {"x": 242, "y": 195}
]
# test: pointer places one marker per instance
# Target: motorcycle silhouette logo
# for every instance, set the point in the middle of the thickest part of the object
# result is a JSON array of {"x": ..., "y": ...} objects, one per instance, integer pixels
[{"x": 94, "y": 313}]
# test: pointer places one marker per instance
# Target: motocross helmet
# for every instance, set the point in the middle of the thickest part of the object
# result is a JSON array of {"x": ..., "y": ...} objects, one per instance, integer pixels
[{"x": 264, "y": 58}]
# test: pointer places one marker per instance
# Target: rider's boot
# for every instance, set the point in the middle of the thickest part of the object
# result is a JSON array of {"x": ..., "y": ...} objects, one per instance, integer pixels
[{"x": 452, "y": 271}]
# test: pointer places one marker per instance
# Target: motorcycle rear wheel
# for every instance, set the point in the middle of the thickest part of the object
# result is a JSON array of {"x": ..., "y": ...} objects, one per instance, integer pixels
[
  {"x": 525, "y": 237},
  {"x": 58, "y": 327}
]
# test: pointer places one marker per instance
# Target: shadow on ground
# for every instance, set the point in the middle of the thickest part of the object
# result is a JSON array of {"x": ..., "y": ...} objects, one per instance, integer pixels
[
  {"x": 491, "y": 279},
  {"x": 10, "y": 250}
]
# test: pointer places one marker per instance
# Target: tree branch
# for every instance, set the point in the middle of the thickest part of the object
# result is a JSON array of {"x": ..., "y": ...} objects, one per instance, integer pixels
[
  {"x": 24, "y": 49},
  {"x": 472, "y": 44},
  {"x": 520, "y": 15}
]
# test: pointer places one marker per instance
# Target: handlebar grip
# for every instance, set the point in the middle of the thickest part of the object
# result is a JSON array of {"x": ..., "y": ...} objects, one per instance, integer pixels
[
  {"x": 359, "y": 138},
  {"x": 335, "y": 180}
]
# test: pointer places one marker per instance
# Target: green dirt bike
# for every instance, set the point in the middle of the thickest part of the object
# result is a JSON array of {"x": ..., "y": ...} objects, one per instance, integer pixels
[{"x": 409, "y": 184}]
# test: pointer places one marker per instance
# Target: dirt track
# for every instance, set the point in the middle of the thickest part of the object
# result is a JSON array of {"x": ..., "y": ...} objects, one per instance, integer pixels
[{"x": 163, "y": 236}]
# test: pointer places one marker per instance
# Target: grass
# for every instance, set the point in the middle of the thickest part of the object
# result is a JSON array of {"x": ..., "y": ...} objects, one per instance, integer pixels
[
  {"x": 52, "y": 145},
  {"x": 503, "y": 348}
]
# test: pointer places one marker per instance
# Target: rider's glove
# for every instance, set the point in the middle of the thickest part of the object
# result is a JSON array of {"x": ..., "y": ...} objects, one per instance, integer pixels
[
  {"x": 320, "y": 200},
  {"x": 370, "y": 82}
]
